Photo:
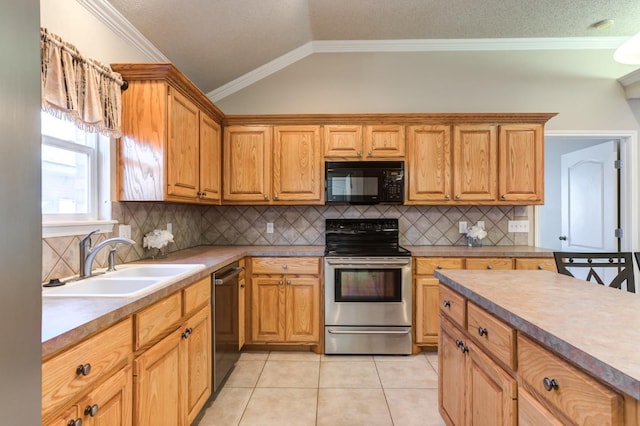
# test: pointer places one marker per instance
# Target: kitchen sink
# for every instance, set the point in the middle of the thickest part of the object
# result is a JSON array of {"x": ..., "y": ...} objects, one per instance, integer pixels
[{"x": 127, "y": 281}]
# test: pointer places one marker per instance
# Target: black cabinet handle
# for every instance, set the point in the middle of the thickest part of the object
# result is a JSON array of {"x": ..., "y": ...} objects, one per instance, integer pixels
[
  {"x": 550, "y": 384},
  {"x": 187, "y": 333},
  {"x": 83, "y": 370},
  {"x": 91, "y": 410},
  {"x": 483, "y": 331},
  {"x": 76, "y": 422},
  {"x": 446, "y": 304}
]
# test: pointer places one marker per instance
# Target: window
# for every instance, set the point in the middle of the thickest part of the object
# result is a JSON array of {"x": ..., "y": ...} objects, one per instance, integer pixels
[
  {"x": 75, "y": 173},
  {"x": 69, "y": 171}
]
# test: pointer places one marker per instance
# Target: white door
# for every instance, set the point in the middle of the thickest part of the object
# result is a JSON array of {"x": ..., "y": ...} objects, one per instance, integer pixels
[{"x": 589, "y": 194}]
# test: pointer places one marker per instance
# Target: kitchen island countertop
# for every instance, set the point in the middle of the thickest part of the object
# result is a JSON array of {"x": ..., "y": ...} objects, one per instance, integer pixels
[{"x": 594, "y": 327}]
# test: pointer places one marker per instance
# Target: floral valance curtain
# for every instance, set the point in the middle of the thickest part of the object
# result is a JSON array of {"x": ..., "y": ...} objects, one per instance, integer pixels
[{"x": 79, "y": 89}]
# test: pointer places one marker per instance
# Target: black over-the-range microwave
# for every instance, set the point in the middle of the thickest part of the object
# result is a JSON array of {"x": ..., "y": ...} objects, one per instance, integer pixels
[{"x": 364, "y": 182}]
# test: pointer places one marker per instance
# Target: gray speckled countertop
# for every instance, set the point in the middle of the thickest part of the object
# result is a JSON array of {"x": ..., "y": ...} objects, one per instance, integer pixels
[
  {"x": 594, "y": 327},
  {"x": 68, "y": 320}
]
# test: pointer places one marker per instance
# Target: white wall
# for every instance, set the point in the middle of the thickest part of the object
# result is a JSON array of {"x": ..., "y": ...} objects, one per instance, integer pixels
[
  {"x": 20, "y": 249},
  {"x": 567, "y": 82}
]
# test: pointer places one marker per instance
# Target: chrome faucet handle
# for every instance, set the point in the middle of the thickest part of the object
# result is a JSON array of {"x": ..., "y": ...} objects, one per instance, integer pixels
[
  {"x": 112, "y": 260},
  {"x": 87, "y": 238}
]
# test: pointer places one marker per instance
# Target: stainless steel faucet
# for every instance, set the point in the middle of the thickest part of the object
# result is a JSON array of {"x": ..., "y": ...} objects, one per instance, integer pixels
[{"x": 88, "y": 253}]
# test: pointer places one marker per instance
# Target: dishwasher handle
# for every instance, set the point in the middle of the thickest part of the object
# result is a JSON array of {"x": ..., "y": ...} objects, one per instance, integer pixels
[{"x": 233, "y": 272}]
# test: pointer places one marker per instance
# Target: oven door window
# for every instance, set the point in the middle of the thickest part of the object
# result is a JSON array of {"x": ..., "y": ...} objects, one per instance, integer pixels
[{"x": 368, "y": 285}]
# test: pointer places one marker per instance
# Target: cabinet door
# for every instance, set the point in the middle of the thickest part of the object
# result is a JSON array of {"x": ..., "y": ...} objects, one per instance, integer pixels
[
  {"x": 384, "y": 141},
  {"x": 197, "y": 361},
  {"x": 427, "y": 310},
  {"x": 157, "y": 386},
  {"x": 302, "y": 309},
  {"x": 521, "y": 169},
  {"x": 111, "y": 403},
  {"x": 267, "y": 309},
  {"x": 246, "y": 164},
  {"x": 492, "y": 392},
  {"x": 183, "y": 154},
  {"x": 210, "y": 161},
  {"x": 66, "y": 418},
  {"x": 451, "y": 374},
  {"x": 474, "y": 163},
  {"x": 297, "y": 165},
  {"x": 428, "y": 164},
  {"x": 343, "y": 141}
]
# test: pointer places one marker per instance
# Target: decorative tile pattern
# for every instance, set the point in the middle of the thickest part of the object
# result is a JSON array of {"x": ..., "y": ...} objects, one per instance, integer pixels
[{"x": 293, "y": 225}]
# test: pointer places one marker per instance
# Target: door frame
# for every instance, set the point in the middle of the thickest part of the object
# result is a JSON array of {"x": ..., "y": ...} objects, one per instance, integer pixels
[{"x": 629, "y": 185}]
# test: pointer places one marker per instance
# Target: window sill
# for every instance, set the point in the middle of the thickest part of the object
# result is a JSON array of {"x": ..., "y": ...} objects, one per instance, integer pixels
[{"x": 70, "y": 228}]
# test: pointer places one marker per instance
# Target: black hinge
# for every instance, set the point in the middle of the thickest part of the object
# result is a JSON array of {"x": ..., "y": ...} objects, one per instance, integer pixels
[
  {"x": 619, "y": 233},
  {"x": 618, "y": 164}
]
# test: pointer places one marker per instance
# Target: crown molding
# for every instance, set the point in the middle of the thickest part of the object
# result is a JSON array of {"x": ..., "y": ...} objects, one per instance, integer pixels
[
  {"x": 108, "y": 15},
  {"x": 631, "y": 84}
]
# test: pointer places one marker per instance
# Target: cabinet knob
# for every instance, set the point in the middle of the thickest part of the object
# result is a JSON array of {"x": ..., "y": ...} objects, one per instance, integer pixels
[
  {"x": 540, "y": 267},
  {"x": 446, "y": 304},
  {"x": 83, "y": 370},
  {"x": 503, "y": 197},
  {"x": 439, "y": 267},
  {"x": 370, "y": 153},
  {"x": 91, "y": 410},
  {"x": 76, "y": 422},
  {"x": 457, "y": 196},
  {"x": 284, "y": 266},
  {"x": 288, "y": 282},
  {"x": 489, "y": 267},
  {"x": 280, "y": 282},
  {"x": 483, "y": 331},
  {"x": 550, "y": 384},
  {"x": 359, "y": 153},
  {"x": 204, "y": 194},
  {"x": 459, "y": 343},
  {"x": 447, "y": 197},
  {"x": 275, "y": 196},
  {"x": 187, "y": 333},
  {"x": 266, "y": 197},
  {"x": 464, "y": 349}
]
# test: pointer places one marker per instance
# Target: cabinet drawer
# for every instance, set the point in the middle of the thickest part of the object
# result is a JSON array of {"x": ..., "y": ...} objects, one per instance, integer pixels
[
  {"x": 157, "y": 319},
  {"x": 285, "y": 265},
  {"x": 452, "y": 305},
  {"x": 495, "y": 336},
  {"x": 531, "y": 413},
  {"x": 581, "y": 398},
  {"x": 196, "y": 295},
  {"x": 61, "y": 377},
  {"x": 489, "y": 263},
  {"x": 426, "y": 265},
  {"x": 536, "y": 263}
]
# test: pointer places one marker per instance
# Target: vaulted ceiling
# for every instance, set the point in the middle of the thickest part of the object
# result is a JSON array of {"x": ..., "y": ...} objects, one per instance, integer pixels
[{"x": 215, "y": 42}]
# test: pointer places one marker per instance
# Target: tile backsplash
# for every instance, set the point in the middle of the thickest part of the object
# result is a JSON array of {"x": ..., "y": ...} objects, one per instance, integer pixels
[{"x": 292, "y": 225}]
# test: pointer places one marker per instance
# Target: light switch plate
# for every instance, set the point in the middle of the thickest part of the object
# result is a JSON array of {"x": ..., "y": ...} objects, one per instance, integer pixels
[
  {"x": 270, "y": 228},
  {"x": 518, "y": 226},
  {"x": 170, "y": 228},
  {"x": 124, "y": 231},
  {"x": 462, "y": 227}
]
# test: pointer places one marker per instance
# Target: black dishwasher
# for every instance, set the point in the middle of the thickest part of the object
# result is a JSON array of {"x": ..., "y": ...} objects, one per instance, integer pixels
[{"x": 226, "y": 334}]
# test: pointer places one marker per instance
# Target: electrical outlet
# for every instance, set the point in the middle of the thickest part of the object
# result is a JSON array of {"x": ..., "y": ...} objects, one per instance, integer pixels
[
  {"x": 518, "y": 226},
  {"x": 462, "y": 227},
  {"x": 480, "y": 224},
  {"x": 124, "y": 231},
  {"x": 270, "y": 228},
  {"x": 170, "y": 228}
]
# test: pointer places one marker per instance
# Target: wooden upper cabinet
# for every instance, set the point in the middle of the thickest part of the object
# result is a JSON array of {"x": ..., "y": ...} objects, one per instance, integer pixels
[
  {"x": 168, "y": 149},
  {"x": 343, "y": 141},
  {"x": 428, "y": 165},
  {"x": 298, "y": 167},
  {"x": 521, "y": 165},
  {"x": 475, "y": 159},
  {"x": 246, "y": 164},
  {"x": 183, "y": 154},
  {"x": 384, "y": 141},
  {"x": 279, "y": 165},
  {"x": 210, "y": 159}
]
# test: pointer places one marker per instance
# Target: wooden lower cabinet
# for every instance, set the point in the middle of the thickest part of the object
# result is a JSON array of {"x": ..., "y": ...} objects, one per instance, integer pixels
[
  {"x": 473, "y": 388},
  {"x": 285, "y": 300},
  {"x": 532, "y": 413},
  {"x": 172, "y": 379}
]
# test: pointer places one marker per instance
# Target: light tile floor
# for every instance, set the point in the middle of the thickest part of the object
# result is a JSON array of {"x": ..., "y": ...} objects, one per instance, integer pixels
[{"x": 303, "y": 388}]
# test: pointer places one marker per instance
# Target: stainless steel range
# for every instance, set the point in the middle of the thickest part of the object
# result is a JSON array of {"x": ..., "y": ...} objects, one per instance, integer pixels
[{"x": 367, "y": 288}]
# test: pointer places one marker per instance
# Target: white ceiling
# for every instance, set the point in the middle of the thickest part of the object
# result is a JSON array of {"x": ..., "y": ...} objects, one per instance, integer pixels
[{"x": 217, "y": 42}]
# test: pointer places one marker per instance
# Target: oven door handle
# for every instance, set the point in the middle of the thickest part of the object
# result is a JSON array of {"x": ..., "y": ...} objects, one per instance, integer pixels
[
  {"x": 369, "y": 261},
  {"x": 369, "y": 331}
]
